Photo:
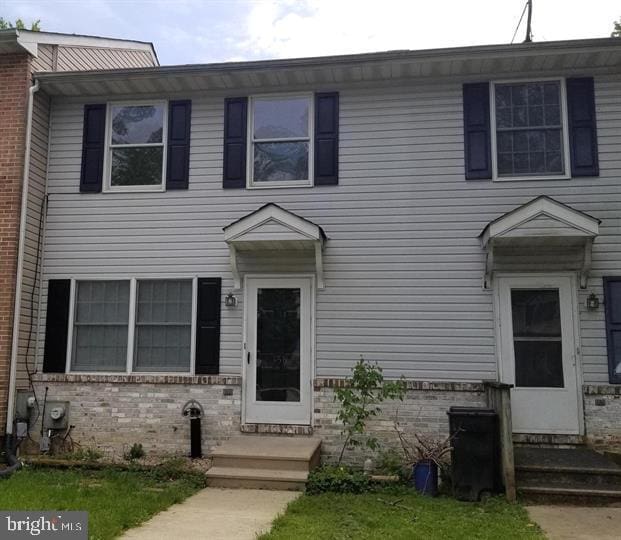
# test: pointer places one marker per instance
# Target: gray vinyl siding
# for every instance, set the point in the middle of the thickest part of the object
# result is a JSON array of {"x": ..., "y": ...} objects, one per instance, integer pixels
[
  {"x": 45, "y": 58},
  {"x": 403, "y": 263},
  {"x": 28, "y": 321},
  {"x": 86, "y": 58}
]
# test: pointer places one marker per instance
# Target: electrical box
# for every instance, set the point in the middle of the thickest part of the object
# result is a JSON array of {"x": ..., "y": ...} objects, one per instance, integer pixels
[
  {"x": 24, "y": 405},
  {"x": 56, "y": 415}
]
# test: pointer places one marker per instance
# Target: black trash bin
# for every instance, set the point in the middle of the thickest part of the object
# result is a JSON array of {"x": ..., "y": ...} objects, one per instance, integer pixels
[{"x": 475, "y": 457}]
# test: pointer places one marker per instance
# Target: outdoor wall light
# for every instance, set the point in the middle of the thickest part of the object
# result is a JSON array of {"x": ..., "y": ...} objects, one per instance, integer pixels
[
  {"x": 230, "y": 300},
  {"x": 592, "y": 302}
]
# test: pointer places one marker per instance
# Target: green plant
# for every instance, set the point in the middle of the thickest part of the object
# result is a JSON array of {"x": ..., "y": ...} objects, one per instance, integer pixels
[
  {"x": 135, "y": 452},
  {"x": 391, "y": 462},
  {"x": 86, "y": 454},
  {"x": 360, "y": 400},
  {"x": 337, "y": 480}
]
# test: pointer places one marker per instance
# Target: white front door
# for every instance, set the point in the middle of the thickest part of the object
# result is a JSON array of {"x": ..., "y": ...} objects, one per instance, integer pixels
[
  {"x": 538, "y": 353},
  {"x": 277, "y": 354}
]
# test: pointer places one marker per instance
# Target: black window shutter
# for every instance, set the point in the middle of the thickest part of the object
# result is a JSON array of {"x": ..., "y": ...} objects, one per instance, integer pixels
[
  {"x": 93, "y": 148},
  {"x": 612, "y": 305},
  {"x": 56, "y": 326},
  {"x": 208, "y": 326},
  {"x": 477, "y": 134},
  {"x": 235, "y": 140},
  {"x": 178, "y": 155},
  {"x": 582, "y": 127},
  {"x": 326, "y": 138}
]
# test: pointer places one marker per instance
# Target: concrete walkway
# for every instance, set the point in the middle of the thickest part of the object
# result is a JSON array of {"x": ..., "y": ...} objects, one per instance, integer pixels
[
  {"x": 216, "y": 514},
  {"x": 577, "y": 522}
]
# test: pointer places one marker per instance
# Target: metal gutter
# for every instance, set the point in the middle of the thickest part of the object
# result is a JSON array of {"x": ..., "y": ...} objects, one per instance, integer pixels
[{"x": 20, "y": 262}]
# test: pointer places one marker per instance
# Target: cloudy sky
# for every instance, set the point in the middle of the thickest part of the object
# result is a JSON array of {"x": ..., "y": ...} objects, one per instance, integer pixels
[{"x": 197, "y": 31}]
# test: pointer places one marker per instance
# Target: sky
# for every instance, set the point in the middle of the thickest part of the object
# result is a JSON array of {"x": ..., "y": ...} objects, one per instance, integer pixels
[{"x": 203, "y": 31}]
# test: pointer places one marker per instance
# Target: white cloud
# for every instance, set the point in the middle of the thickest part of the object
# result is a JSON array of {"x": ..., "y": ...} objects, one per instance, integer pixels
[{"x": 285, "y": 28}]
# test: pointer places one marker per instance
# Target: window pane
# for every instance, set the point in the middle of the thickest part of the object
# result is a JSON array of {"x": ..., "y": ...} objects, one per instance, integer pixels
[
  {"x": 539, "y": 364},
  {"x": 277, "y": 162},
  {"x": 281, "y": 118},
  {"x": 524, "y": 147},
  {"x": 536, "y": 313},
  {"x": 137, "y": 166},
  {"x": 163, "y": 325},
  {"x": 278, "y": 345},
  {"x": 137, "y": 124},
  {"x": 100, "y": 329},
  {"x": 164, "y": 301},
  {"x": 537, "y": 338},
  {"x": 163, "y": 348}
]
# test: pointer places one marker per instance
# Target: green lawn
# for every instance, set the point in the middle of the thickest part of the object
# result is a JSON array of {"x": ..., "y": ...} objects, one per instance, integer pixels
[
  {"x": 116, "y": 500},
  {"x": 400, "y": 514}
]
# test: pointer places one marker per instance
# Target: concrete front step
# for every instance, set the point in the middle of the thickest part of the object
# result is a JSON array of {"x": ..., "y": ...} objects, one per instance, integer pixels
[
  {"x": 264, "y": 462},
  {"x": 569, "y": 495},
  {"x": 565, "y": 476},
  {"x": 233, "y": 477},
  {"x": 561, "y": 475}
]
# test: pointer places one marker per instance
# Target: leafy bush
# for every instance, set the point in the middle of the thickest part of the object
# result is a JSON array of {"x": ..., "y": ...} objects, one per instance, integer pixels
[
  {"x": 86, "y": 454},
  {"x": 360, "y": 400},
  {"x": 177, "y": 469},
  {"x": 392, "y": 463},
  {"x": 135, "y": 452},
  {"x": 337, "y": 480}
]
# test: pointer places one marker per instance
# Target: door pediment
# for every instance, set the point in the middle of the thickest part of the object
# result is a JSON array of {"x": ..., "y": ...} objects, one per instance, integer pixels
[
  {"x": 541, "y": 224},
  {"x": 272, "y": 228}
]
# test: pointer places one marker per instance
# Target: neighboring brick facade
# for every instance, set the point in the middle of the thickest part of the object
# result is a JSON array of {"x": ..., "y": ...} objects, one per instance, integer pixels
[
  {"x": 602, "y": 414},
  {"x": 14, "y": 83}
]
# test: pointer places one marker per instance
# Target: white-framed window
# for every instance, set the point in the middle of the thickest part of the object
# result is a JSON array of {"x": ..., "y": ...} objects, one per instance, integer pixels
[
  {"x": 529, "y": 130},
  {"x": 132, "y": 326},
  {"x": 280, "y": 144},
  {"x": 136, "y": 146}
]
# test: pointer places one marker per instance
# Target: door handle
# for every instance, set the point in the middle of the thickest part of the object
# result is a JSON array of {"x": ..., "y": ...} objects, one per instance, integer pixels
[{"x": 248, "y": 357}]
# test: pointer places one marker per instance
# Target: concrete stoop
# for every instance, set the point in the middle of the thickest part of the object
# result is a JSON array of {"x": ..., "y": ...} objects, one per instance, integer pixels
[
  {"x": 567, "y": 475},
  {"x": 264, "y": 462}
]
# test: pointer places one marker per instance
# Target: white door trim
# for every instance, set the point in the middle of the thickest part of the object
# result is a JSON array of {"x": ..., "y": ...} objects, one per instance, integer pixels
[
  {"x": 543, "y": 280},
  {"x": 310, "y": 279}
]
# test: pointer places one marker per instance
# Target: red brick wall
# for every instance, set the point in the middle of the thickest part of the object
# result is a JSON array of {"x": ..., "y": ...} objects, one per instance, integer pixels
[{"x": 14, "y": 83}]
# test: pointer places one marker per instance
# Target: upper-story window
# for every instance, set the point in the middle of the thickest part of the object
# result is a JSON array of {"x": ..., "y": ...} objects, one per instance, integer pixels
[
  {"x": 280, "y": 145},
  {"x": 136, "y": 147},
  {"x": 530, "y": 130}
]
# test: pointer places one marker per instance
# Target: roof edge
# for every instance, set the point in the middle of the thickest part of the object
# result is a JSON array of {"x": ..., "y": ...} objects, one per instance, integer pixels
[{"x": 322, "y": 61}]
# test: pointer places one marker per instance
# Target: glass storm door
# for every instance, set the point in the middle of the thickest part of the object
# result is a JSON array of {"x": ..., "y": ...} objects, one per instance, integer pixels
[
  {"x": 278, "y": 351},
  {"x": 538, "y": 354}
]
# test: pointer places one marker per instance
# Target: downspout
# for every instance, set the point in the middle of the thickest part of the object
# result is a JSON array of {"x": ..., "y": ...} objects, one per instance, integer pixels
[{"x": 14, "y": 464}]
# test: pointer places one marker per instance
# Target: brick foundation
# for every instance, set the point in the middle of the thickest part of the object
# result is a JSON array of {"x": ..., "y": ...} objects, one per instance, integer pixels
[
  {"x": 112, "y": 412},
  {"x": 14, "y": 83},
  {"x": 602, "y": 413}
]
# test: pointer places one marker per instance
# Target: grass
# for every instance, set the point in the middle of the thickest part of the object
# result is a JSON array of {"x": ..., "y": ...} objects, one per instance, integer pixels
[
  {"x": 400, "y": 514},
  {"x": 116, "y": 500}
]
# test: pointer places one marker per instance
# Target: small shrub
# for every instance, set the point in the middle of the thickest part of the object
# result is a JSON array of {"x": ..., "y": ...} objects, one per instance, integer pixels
[
  {"x": 135, "y": 452},
  {"x": 177, "y": 469},
  {"x": 86, "y": 454},
  {"x": 360, "y": 401},
  {"x": 337, "y": 480},
  {"x": 390, "y": 462}
]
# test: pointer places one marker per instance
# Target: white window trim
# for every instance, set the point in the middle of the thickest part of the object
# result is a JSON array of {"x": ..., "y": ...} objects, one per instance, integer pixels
[
  {"x": 250, "y": 184},
  {"x": 107, "y": 165},
  {"x": 131, "y": 330},
  {"x": 564, "y": 127}
]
